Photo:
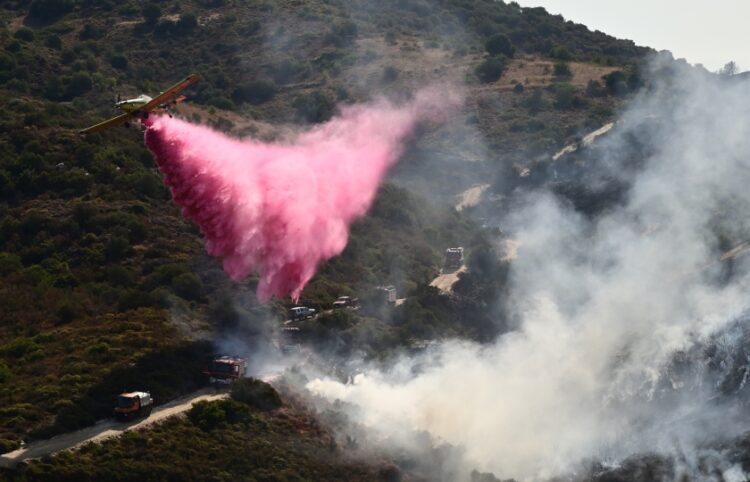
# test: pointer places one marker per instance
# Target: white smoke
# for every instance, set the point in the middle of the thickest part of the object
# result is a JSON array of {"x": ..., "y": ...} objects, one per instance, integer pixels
[{"x": 605, "y": 306}]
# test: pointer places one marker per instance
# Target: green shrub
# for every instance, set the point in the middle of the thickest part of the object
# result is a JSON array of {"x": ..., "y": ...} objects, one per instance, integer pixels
[
  {"x": 186, "y": 24},
  {"x": 77, "y": 84},
  {"x": 256, "y": 393},
  {"x": 255, "y": 92},
  {"x": 561, "y": 53},
  {"x": 314, "y": 107},
  {"x": 188, "y": 286},
  {"x": 5, "y": 373},
  {"x": 116, "y": 249},
  {"x": 9, "y": 264},
  {"x": 564, "y": 95},
  {"x": 207, "y": 415},
  {"x": 91, "y": 31},
  {"x": 25, "y": 34},
  {"x": 151, "y": 13},
  {"x": 119, "y": 62},
  {"x": 390, "y": 74},
  {"x": 66, "y": 312},
  {"x": 499, "y": 44},
  {"x": 49, "y": 10},
  {"x": 562, "y": 69},
  {"x": 491, "y": 69}
]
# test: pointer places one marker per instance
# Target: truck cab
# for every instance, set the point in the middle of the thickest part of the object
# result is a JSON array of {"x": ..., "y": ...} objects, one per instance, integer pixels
[
  {"x": 226, "y": 369},
  {"x": 133, "y": 405}
]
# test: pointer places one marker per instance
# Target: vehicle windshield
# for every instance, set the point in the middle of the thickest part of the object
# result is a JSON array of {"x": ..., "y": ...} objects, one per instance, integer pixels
[
  {"x": 222, "y": 367},
  {"x": 125, "y": 402}
]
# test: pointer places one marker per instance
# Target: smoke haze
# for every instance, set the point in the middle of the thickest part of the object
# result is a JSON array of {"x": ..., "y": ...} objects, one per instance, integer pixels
[
  {"x": 607, "y": 305},
  {"x": 281, "y": 209}
]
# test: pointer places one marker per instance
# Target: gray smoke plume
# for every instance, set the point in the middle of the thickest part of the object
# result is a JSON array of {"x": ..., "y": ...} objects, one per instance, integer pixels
[{"x": 625, "y": 316}]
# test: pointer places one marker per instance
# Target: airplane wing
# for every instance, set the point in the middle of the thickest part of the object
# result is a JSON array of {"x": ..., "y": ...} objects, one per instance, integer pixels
[
  {"x": 120, "y": 119},
  {"x": 169, "y": 93}
]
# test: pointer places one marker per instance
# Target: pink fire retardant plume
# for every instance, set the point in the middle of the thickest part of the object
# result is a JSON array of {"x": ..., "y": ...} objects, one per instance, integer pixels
[{"x": 283, "y": 208}]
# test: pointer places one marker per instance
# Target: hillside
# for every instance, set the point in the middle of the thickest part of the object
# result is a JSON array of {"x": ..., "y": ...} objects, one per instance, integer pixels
[{"x": 105, "y": 286}]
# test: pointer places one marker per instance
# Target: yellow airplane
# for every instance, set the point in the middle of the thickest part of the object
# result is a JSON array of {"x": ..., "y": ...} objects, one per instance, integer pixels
[{"x": 140, "y": 106}]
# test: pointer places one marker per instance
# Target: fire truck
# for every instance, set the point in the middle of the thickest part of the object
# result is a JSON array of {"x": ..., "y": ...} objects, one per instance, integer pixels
[
  {"x": 133, "y": 405},
  {"x": 226, "y": 369}
]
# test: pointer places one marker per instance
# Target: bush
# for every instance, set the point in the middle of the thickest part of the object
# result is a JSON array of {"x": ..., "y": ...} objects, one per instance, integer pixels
[
  {"x": 49, "y": 10},
  {"x": 256, "y": 393},
  {"x": 499, "y": 44},
  {"x": 91, "y": 32},
  {"x": 187, "y": 23},
  {"x": 616, "y": 83},
  {"x": 564, "y": 95},
  {"x": 390, "y": 74},
  {"x": 562, "y": 69},
  {"x": 5, "y": 373},
  {"x": 561, "y": 53},
  {"x": 119, "y": 62},
  {"x": 491, "y": 69},
  {"x": 314, "y": 107},
  {"x": 77, "y": 84},
  {"x": 165, "y": 28},
  {"x": 188, "y": 286},
  {"x": 25, "y": 34},
  {"x": 222, "y": 103},
  {"x": 53, "y": 42},
  {"x": 595, "y": 89},
  {"x": 66, "y": 313},
  {"x": 255, "y": 92},
  {"x": 116, "y": 249},
  {"x": 536, "y": 102},
  {"x": 10, "y": 264},
  {"x": 151, "y": 13},
  {"x": 210, "y": 415}
]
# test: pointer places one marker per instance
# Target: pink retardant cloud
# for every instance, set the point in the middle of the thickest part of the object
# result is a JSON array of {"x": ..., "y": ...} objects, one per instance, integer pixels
[{"x": 282, "y": 208}]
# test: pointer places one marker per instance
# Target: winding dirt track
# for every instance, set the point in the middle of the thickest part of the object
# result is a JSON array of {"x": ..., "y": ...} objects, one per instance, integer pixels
[{"x": 105, "y": 429}]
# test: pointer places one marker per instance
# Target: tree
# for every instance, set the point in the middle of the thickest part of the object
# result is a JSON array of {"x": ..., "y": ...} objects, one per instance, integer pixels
[
  {"x": 499, "y": 44},
  {"x": 729, "y": 69}
]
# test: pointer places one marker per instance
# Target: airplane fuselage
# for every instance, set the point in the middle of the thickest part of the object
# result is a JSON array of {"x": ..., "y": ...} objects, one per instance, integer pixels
[{"x": 131, "y": 105}]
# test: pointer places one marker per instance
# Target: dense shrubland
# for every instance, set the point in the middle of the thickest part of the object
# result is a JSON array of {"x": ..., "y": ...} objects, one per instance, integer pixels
[{"x": 95, "y": 260}]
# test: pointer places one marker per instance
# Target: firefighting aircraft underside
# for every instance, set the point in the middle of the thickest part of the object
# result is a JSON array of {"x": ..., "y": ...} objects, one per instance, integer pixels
[{"x": 139, "y": 107}]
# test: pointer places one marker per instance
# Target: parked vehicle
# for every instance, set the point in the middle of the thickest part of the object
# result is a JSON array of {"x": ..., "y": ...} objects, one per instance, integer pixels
[
  {"x": 388, "y": 293},
  {"x": 301, "y": 312},
  {"x": 226, "y": 369},
  {"x": 133, "y": 405},
  {"x": 346, "y": 302},
  {"x": 454, "y": 257}
]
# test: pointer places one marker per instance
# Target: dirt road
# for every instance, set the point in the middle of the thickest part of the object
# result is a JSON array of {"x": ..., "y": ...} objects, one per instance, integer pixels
[{"x": 104, "y": 429}]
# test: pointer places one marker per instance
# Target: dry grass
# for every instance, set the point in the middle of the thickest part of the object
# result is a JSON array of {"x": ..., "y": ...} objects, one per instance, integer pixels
[{"x": 538, "y": 72}]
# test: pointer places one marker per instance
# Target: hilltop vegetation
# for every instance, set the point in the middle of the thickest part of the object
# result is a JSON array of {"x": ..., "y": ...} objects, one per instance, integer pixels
[{"x": 104, "y": 286}]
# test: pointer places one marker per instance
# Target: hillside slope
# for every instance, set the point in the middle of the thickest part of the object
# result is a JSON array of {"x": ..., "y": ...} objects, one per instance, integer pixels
[{"x": 105, "y": 286}]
